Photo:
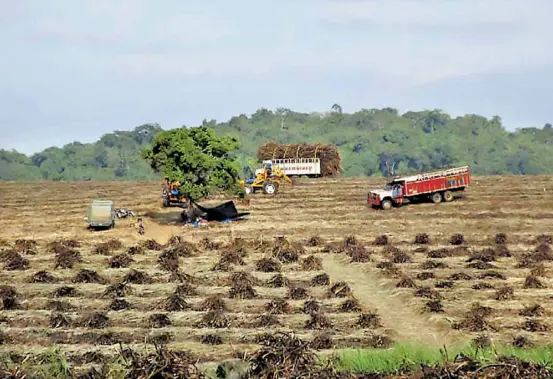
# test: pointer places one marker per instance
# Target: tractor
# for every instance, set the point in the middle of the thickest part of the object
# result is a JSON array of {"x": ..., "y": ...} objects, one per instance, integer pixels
[
  {"x": 171, "y": 193},
  {"x": 268, "y": 179}
]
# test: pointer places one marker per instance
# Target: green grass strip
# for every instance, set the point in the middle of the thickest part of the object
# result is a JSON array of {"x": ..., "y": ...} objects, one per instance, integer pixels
[{"x": 402, "y": 356}]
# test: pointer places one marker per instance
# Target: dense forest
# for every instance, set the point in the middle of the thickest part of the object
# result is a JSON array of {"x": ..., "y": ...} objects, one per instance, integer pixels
[{"x": 367, "y": 139}]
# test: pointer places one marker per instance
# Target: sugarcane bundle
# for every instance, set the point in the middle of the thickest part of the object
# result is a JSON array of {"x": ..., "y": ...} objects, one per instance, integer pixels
[{"x": 328, "y": 154}]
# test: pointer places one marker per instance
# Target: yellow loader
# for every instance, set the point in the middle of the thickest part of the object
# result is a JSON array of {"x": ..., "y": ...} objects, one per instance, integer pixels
[{"x": 268, "y": 179}]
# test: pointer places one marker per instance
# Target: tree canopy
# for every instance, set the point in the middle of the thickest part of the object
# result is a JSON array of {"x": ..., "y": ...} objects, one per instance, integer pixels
[
  {"x": 367, "y": 139},
  {"x": 197, "y": 158}
]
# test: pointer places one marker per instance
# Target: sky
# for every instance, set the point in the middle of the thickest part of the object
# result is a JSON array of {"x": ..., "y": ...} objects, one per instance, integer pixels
[{"x": 73, "y": 70}]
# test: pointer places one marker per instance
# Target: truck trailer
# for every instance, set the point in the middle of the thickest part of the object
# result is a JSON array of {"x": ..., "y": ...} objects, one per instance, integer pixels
[
  {"x": 294, "y": 167},
  {"x": 436, "y": 186},
  {"x": 307, "y": 160}
]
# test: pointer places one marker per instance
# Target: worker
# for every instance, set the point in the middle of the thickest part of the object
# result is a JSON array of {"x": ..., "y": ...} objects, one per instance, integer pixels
[
  {"x": 396, "y": 191},
  {"x": 186, "y": 200},
  {"x": 175, "y": 188},
  {"x": 140, "y": 226}
]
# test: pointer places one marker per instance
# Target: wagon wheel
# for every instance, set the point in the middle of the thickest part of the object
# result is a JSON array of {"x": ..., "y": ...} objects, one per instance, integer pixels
[
  {"x": 436, "y": 198},
  {"x": 270, "y": 188}
]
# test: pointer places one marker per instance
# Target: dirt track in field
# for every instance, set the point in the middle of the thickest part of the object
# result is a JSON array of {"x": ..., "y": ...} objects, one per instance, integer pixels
[
  {"x": 455, "y": 279},
  {"x": 401, "y": 322}
]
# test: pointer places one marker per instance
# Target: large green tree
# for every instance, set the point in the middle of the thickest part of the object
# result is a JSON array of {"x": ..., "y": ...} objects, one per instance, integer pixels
[{"x": 198, "y": 158}]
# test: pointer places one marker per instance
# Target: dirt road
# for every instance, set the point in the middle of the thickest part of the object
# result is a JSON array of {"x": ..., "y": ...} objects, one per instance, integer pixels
[{"x": 402, "y": 321}]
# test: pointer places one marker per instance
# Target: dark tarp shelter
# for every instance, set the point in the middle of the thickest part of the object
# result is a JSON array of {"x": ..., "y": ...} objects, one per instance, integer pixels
[{"x": 222, "y": 212}]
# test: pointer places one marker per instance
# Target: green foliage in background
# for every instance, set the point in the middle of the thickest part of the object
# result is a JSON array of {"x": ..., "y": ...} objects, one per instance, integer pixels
[
  {"x": 197, "y": 158},
  {"x": 414, "y": 141},
  {"x": 367, "y": 139},
  {"x": 116, "y": 156}
]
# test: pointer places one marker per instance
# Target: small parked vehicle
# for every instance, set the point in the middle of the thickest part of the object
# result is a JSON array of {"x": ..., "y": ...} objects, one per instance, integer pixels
[{"x": 101, "y": 214}]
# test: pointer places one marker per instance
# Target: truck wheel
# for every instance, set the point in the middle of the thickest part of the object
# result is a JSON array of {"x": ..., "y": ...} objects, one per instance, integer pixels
[
  {"x": 248, "y": 190},
  {"x": 448, "y": 196},
  {"x": 270, "y": 188},
  {"x": 386, "y": 204},
  {"x": 436, "y": 198},
  {"x": 165, "y": 202}
]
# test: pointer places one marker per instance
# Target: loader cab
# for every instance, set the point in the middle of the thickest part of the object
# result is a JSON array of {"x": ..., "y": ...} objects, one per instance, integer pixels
[{"x": 266, "y": 167}]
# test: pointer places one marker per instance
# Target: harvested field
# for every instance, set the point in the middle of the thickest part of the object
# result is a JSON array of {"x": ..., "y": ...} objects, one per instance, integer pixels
[{"x": 343, "y": 276}]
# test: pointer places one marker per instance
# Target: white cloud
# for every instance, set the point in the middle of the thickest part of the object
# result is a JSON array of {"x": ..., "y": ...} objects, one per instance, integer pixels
[
  {"x": 404, "y": 64},
  {"x": 424, "y": 57},
  {"x": 135, "y": 37},
  {"x": 400, "y": 54},
  {"x": 435, "y": 12},
  {"x": 126, "y": 22}
]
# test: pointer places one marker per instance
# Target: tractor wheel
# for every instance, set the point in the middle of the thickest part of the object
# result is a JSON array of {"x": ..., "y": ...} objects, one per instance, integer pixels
[
  {"x": 448, "y": 196},
  {"x": 270, "y": 188},
  {"x": 436, "y": 198},
  {"x": 248, "y": 190},
  {"x": 386, "y": 204}
]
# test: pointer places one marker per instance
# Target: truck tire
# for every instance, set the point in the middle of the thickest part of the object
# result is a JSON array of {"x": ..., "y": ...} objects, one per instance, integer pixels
[
  {"x": 248, "y": 190},
  {"x": 270, "y": 188},
  {"x": 165, "y": 202},
  {"x": 448, "y": 196},
  {"x": 436, "y": 198},
  {"x": 386, "y": 204}
]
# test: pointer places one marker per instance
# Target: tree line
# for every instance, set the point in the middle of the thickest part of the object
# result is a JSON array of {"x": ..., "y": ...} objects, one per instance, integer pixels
[{"x": 370, "y": 142}]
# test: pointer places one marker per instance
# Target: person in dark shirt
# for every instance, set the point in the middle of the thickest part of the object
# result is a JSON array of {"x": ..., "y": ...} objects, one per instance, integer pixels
[{"x": 140, "y": 226}]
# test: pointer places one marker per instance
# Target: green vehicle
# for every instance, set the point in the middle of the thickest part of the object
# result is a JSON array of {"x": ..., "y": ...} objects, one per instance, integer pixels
[{"x": 101, "y": 214}]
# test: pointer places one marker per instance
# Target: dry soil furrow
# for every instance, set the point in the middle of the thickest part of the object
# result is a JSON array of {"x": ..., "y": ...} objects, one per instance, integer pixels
[{"x": 405, "y": 323}]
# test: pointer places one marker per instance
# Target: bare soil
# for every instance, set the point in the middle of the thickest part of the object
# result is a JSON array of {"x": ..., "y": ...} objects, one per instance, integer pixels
[{"x": 228, "y": 284}]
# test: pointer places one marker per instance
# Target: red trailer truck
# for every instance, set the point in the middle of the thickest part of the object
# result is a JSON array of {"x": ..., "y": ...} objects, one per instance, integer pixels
[{"x": 436, "y": 186}]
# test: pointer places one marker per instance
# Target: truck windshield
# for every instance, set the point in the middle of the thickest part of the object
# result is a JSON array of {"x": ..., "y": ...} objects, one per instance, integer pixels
[{"x": 388, "y": 187}]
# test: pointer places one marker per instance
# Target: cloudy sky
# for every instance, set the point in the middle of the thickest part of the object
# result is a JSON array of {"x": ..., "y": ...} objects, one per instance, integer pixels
[{"x": 76, "y": 69}]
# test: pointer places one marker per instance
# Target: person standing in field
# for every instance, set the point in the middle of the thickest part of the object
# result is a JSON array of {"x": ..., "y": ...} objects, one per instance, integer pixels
[{"x": 140, "y": 226}]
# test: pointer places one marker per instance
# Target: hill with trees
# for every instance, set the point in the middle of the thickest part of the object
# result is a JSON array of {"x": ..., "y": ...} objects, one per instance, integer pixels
[
  {"x": 367, "y": 139},
  {"x": 114, "y": 156}
]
